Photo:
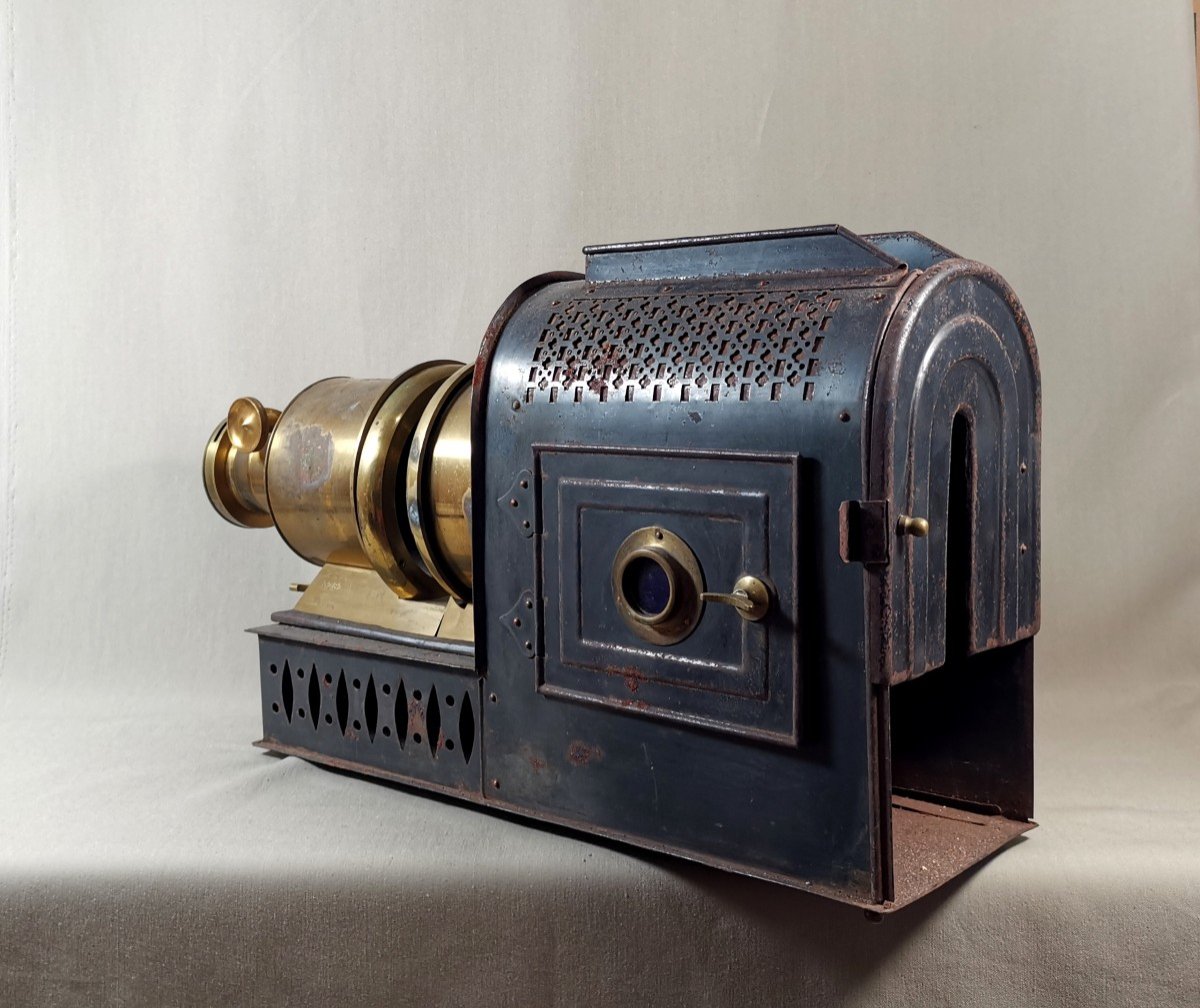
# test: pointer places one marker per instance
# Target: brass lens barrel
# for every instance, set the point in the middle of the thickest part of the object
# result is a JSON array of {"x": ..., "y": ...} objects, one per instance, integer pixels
[
  {"x": 311, "y": 466},
  {"x": 331, "y": 472}
]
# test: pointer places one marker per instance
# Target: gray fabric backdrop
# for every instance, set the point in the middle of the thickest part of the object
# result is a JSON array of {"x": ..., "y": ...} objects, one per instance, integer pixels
[{"x": 207, "y": 199}]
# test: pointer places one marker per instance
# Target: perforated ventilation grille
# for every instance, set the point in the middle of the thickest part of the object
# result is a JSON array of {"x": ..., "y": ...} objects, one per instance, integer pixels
[
  {"x": 682, "y": 347},
  {"x": 398, "y": 714}
]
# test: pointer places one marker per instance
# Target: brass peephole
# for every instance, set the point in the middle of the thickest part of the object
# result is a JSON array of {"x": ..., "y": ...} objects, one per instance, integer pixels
[
  {"x": 658, "y": 586},
  {"x": 368, "y": 478},
  {"x": 657, "y": 583}
]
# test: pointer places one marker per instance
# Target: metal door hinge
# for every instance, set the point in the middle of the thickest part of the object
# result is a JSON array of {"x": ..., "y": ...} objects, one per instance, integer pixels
[
  {"x": 517, "y": 503},
  {"x": 522, "y": 622}
]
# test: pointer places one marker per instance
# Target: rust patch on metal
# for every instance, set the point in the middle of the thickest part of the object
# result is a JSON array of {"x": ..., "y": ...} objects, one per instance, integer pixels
[
  {"x": 537, "y": 761},
  {"x": 579, "y": 753},
  {"x": 416, "y": 719},
  {"x": 633, "y": 677}
]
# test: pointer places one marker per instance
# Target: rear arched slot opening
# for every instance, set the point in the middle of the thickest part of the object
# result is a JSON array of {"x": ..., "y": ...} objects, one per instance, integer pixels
[{"x": 959, "y": 730}]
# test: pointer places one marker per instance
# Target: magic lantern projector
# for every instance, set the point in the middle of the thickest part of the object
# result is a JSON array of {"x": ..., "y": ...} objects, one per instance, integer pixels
[{"x": 727, "y": 548}]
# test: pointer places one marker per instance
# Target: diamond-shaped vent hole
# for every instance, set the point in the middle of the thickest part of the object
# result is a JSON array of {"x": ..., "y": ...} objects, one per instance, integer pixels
[
  {"x": 343, "y": 701},
  {"x": 314, "y": 696},
  {"x": 286, "y": 686},
  {"x": 402, "y": 715},
  {"x": 371, "y": 709},
  {"x": 433, "y": 722},
  {"x": 466, "y": 727}
]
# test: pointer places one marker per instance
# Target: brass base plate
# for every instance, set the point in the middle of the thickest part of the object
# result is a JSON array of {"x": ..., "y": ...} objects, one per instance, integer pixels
[
  {"x": 458, "y": 623},
  {"x": 359, "y": 595}
]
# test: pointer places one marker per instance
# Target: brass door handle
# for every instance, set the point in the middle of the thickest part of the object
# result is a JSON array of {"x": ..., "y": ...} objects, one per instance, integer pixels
[
  {"x": 918, "y": 528},
  {"x": 751, "y": 598}
]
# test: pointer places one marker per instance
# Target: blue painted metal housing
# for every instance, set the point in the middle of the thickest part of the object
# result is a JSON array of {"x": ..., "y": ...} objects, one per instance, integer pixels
[{"x": 725, "y": 388}]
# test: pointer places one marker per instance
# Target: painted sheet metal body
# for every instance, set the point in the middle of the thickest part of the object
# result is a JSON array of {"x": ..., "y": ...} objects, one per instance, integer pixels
[{"x": 664, "y": 436}]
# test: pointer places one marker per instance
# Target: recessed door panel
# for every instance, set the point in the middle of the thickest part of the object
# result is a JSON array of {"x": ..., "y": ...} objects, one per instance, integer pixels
[{"x": 637, "y": 550}]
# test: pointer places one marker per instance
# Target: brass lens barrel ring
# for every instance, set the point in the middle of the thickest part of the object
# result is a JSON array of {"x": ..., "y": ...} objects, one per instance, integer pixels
[
  {"x": 438, "y": 485},
  {"x": 383, "y": 530},
  {"x": 650, "y": 560}
]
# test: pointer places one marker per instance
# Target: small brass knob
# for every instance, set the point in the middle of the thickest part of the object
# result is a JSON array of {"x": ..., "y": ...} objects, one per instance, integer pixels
[
  {"x": 751, "y": 598},
  {"x": 918, "y": 528},
  {"x": 250, "y": 424}
]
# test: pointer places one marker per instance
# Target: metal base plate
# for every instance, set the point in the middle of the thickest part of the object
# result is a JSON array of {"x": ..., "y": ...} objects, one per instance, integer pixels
[{"x": 931, "y": 844}]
